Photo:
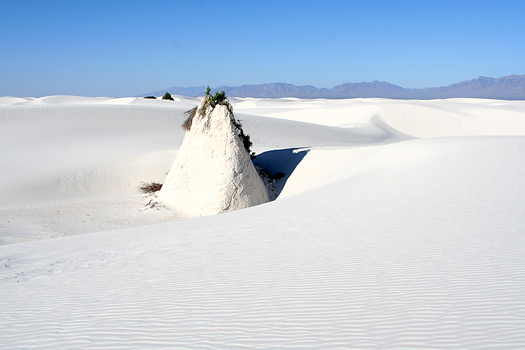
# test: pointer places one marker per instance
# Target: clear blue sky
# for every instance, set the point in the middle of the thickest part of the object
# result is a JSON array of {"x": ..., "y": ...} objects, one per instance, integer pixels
[{"x": 126, "y": 48}]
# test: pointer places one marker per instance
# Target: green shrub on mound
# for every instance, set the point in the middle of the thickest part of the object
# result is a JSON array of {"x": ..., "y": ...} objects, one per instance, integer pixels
[{"x": 212, "y": 101}]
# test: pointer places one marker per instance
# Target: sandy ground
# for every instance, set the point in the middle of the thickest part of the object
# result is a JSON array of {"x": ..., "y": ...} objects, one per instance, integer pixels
[{"x": 399, "y": 224}]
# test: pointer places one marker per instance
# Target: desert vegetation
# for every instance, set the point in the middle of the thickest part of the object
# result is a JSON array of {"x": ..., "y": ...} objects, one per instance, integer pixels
[
  {"x": 211, "y": 101},
  {"x": 167, "y": 96},
  {"x": 150, "y": 187},
  {"x": 270, "y": 175}
]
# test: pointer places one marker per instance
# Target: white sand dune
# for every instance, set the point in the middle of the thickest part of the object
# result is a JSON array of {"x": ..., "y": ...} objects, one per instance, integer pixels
[{"x": 399, "y": 225}]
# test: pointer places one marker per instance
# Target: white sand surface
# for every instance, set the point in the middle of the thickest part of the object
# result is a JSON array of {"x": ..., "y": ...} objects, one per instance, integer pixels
[{"x": 398, "y": 225}]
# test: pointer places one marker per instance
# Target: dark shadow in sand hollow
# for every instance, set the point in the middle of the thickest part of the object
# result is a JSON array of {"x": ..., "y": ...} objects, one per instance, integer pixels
[{"x": 280, "y": 160}]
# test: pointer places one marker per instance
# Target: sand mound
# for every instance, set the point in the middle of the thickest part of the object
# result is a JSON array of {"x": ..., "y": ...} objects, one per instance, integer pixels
[{"x": 212, "y": 172}]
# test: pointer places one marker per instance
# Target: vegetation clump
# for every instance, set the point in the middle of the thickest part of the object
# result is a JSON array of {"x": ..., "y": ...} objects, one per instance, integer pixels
[
  {"x": 150, "y": 187},
  {"x": 271, "y": 180},
  {"x": 272, "y": 176},
  {"x": 212, "y": 101},
  {"x": 218, "y": 99},
  {"x": 245, "y": 138},
  {"x": 189, "y": 118},
  {"x": 150, "y": 97},
  {"x": 167, "y": 96}
]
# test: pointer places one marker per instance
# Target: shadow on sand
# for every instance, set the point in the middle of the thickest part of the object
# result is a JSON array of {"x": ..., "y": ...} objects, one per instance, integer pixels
[{"x": 280, "y": 160}]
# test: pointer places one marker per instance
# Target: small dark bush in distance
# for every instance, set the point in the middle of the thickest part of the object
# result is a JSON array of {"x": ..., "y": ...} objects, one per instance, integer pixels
[
  {"x": 151, "y": 97},
  {"x": 167, "y": 96}
]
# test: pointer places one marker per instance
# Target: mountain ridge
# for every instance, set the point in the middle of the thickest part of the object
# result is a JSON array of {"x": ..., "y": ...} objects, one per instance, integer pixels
[{"x": 511, "y": 87}]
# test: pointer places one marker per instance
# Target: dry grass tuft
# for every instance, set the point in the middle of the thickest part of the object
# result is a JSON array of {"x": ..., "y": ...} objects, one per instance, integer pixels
[
  {"x": 189, "y": 118},
  {"x": 150, "y": 187}
]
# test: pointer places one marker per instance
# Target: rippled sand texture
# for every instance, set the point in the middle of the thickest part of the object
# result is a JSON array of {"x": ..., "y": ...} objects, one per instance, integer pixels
[{"x": 383, "y": 237}]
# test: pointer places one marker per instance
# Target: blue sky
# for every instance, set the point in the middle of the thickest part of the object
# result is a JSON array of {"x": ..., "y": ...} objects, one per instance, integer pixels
[{"x": 126, "y": 48}]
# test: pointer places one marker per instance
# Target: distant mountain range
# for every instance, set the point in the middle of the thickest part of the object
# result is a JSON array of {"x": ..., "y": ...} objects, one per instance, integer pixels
[{"x": 511, "y": 87}]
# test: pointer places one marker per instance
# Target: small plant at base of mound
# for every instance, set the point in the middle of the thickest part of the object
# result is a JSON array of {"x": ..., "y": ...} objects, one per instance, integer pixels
[
  {"x": 265, "y": 173},
  {"x": 150, "y": 97},
  {"x": 212, "y": 101},
  {"x": 270, "y": 180},
  {"x": 167, "y": 96},
  {"x": 150, "y": 187}
]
